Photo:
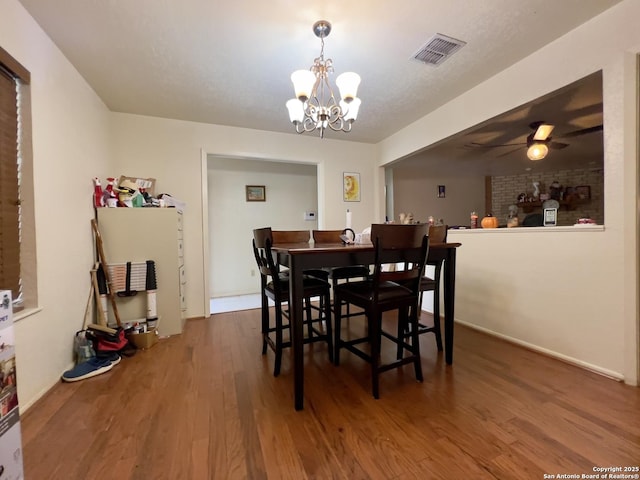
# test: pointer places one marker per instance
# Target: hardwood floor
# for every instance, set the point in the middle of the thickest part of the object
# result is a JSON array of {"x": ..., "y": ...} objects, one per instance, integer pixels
[{"x": 205, "y": 405}]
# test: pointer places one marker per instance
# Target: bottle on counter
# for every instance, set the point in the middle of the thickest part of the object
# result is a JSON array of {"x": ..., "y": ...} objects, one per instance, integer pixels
[
  {"x": 98, "y": 200},
  {"x": 474, "y": 220}
]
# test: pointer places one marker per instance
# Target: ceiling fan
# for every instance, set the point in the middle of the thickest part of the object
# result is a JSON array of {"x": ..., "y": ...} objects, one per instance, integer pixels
[{"x": 540, "y": 141}]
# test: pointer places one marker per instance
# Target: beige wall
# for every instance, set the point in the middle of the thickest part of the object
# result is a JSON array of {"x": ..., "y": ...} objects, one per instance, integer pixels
[
  {"x": 514, "y": 284},
  {"x": 416, "y": 192},
  {"x": 70, "y": 147},
  {"x": 291, "y": 190}
]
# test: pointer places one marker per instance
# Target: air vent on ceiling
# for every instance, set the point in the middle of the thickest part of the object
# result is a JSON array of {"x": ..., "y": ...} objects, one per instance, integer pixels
[{"x": 438, "y": 49}]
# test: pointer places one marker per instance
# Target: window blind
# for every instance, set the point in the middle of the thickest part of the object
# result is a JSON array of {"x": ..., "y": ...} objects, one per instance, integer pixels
[{"x": 9, "y": 185}]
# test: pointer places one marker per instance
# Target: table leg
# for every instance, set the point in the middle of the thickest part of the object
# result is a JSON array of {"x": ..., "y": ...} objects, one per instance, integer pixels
[
  {"x": 295, "y": 307},
  {"x": 449, "y": 302}
]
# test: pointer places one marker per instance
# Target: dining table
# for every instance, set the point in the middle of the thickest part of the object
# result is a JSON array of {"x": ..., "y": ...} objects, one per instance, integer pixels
[{"x": 299, "y": 257}]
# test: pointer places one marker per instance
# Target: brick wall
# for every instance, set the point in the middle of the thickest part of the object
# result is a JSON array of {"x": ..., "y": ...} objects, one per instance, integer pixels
[{"x": 505, "y": 191}]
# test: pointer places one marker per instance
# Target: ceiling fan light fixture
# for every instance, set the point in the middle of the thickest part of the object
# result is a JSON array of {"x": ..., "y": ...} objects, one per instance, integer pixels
[
  {"x": 537, "y": 151},
  {"x": 543, "y": 131}
]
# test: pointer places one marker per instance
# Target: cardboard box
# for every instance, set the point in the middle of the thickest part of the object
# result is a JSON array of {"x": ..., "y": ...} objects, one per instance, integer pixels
[
  {"x": 10, "y": 433},
  {"x": 144, "y": 340},
  {"x": 149, "y": 184}
]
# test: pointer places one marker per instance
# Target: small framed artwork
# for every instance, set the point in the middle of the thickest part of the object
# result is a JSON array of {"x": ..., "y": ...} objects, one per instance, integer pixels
[
  {"x": 441, "y": 191},
  {"x": 550, "y": 217},
  {"x": 351, "y": 187},
  {"x": 256, "y": 193},
  {"x": 582, "y": 192}
]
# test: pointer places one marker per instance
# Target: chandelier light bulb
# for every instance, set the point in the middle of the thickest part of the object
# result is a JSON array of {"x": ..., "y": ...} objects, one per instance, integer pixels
[
  {"x": 348, "y": 83},
  {"x": 351, "y": 109},
  {"x": 296, "y": 110},
  {"x": 303, "y": 82}
]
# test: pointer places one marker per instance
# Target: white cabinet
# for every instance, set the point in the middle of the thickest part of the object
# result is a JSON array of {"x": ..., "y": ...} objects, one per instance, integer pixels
[{"x": 141, "y": 234}]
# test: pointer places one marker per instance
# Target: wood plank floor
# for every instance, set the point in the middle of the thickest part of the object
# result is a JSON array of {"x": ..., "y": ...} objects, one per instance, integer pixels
[{"x": 205, "y": 405}]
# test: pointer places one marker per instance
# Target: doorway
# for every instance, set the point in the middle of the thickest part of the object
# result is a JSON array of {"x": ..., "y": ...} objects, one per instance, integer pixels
[{"x": 290, "y": 191}]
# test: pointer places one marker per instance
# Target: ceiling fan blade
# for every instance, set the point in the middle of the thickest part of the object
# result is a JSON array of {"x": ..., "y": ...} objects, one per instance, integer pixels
[
  {"x": 505, "y": 154},
  {"x": 482, "y": 145},
  {"x": 557, "y": 145},
  {"x": 584, "y": 131},
  {"x": 543, "y": 131}
]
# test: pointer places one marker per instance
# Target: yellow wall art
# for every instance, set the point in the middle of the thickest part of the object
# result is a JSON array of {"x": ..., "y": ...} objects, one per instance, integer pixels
[{"x": 351, "y": 186}]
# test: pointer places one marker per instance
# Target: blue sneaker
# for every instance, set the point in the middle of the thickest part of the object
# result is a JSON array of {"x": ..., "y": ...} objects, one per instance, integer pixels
[
  {"x": 113, "y": 357},
  {"x": 90, "y": 368}
]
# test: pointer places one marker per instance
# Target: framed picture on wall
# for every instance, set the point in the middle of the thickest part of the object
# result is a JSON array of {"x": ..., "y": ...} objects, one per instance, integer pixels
[
  {"x": 256, "y": 193},
  {"x": 351, "y": 187},
  {"x": 441, "y": 191},
  {"x": 582, "y": 192}
]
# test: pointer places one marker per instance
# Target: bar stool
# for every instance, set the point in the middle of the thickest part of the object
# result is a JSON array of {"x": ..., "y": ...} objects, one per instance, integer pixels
[
  {"x": 388, "y": 289},
  {"x": 335, "y": 274},
  {"x": 275, "y": 286},
  {"x": 437, "y": 234}
]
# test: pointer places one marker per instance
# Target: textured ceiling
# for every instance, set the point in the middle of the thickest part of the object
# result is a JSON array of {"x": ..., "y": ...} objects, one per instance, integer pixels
[{"x": 229, "y": 63}]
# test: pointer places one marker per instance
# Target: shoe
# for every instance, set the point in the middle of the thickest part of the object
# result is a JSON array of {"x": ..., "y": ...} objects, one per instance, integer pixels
[
  {"x": 113, "y": 357},
  {"x": 90, "y": 368}
]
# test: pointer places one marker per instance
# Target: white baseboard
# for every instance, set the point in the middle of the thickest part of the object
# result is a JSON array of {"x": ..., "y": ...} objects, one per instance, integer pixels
[
  {"x": 545, "y": 351},
  {"x": 23, "y": 407}
]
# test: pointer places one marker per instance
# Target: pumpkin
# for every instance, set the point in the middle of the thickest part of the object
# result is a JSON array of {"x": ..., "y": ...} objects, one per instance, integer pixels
[{"x": 489, "y": 221}]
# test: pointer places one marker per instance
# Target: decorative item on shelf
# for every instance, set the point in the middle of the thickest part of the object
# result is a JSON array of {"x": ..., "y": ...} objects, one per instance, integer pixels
[
  {"x": 569, "y": 194},
  {"x": 512, "y": 218},
  {"x": 551, "y": 203},
  {"x": 550, "y": 216},
  {"x": 586, "y": 221},
  {"x": 536, "y": 190},
  {"x": 406, "y": 218},
  {"x": 489, "y": 221},
  {"x": 555, "y": 190},
  {"x": 315, "y": 106},
  {"x": 474, "y": 220}
]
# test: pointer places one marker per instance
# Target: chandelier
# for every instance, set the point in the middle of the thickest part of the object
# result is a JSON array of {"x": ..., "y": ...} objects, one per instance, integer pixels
[{"x": 315, "y": 106}]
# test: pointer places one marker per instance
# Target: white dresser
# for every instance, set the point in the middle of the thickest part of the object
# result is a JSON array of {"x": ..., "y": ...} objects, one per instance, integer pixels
[{"x": 140, "y": 234}]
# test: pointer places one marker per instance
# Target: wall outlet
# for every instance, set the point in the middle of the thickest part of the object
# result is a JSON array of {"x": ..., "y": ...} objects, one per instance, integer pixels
[{"x": 310, "y": 216}]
